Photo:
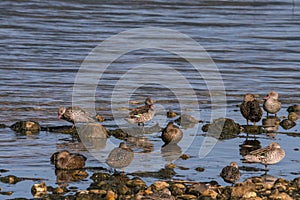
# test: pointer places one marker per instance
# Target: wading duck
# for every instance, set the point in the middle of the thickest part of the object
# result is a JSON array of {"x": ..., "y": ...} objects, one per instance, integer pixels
[
  {"x": 74, "y": 114},
  {"x": 268, "y": 155},
  {"x": 171, "y": 134},
  {"x": 142, "y": 114},
  {"x": 271, "y": 104},
  {"x": 250, "y": 109},
  {"x": 231, "y": 173}
]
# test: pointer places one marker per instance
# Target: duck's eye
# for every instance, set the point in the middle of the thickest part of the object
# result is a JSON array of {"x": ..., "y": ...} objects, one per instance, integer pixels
[{"x": 263, "y": 155}]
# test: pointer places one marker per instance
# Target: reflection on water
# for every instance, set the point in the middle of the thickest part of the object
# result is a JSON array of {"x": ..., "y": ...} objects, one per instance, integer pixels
[{"x": 255, "y": 45}]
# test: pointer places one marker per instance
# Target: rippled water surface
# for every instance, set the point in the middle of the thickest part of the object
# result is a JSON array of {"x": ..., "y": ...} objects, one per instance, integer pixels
[{"x": 254, "y": 44}]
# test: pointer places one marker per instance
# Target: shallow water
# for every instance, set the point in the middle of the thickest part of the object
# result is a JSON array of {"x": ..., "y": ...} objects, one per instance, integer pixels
[{"x": 254, "y": 44}]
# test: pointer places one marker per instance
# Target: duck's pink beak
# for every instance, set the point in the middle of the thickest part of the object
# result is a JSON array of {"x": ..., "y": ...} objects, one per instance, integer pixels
[
  {"x": 59, "y": 116},
  {"x": 267, "y": 97}
]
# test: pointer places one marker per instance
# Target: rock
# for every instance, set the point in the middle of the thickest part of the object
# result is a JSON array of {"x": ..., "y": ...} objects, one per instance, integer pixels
[
  {"x": 296, "y": 183},
  {"x": 294, "y": 108},
  {"x": 177, "y": 189},
  {"x": 2, "y": 126},
  {"x": 11, "y": 179},
  {"x": 39, "y": 189},
  {"x": 99, "y": 176},
  {"x": 26, "y": 127},
  {"x": 210, "y": 193},
  {"x": 200, "y": 169},
  {"x": 171, "y": 114},
  {"x": 111, "y": 195},
  {"x": 287, "y": 124},
  {"x": 92, "y": 130},
  {"x": 293, "y": 116},
  {"x": 197, "y": 188},
  {"x": 136, "y": 185},
  {"x": 249, "y": 195},
  {"x": 187, "y": 197},
  {"x": 159, "y": 185},
  {"x": 186, "y": 121},
  {"x": 223, "y": 128},
  {"x": 243, "y": 188},
  {"x": 184, "y": 156},
  {"x": 280, "y": 196}
]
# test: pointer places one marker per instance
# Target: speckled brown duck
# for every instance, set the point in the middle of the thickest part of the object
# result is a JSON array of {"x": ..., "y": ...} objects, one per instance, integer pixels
[
  {"x": 171, "y": 134},
  {"x": 68, "y": 161},
  {"x": 271, "y": 104},
  {"x": 74, "y": 114},
  {"x": 268, "y": 155},
  {"x": 231, "y": 173},
  {"x": 120, "y": 157},
  {"x": 251, "y": 109},
  {"x": 142, "y": 114}
]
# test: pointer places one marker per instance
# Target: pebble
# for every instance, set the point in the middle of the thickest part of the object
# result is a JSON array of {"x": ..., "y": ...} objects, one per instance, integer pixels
[{"x": 159, "y": 185}]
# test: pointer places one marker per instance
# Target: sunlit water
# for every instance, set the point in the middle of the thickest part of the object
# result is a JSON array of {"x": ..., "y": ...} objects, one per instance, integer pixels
[{"x": 254, "y": 44}]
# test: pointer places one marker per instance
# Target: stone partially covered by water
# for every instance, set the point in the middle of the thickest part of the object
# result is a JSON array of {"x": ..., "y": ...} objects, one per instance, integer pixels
[
  {"x": 26, "y": 127},
  {"x": 222, "y": 128},
  {"x": 93, "y": 130}
]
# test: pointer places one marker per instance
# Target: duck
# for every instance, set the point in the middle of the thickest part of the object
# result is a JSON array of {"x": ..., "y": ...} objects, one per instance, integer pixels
[
  {"x": 271, "y": 154},
  {"x": 120, "y": 157},
  {"x": 251, "y": 109},
  {"x": 142, "y": 114},
  {"x": 68, "y": 161},
  {"x": 231, "y": 173},
  {"x": 271, "y": 104},
  {"x": 74, "y": 114},
  {"x": 171, "y": 134}
]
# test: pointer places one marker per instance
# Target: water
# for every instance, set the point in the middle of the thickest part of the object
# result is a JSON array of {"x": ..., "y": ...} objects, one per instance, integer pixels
[{"x": 254, "y": 44}]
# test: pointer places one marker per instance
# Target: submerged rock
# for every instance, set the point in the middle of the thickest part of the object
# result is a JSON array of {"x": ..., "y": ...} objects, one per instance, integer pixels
[
  {"x": 186, "y": 121},
  {"x": 92, "y": 130},
  {"x": 287, "y": 124},
  {"x": 222, "y": 128},
  {"x": 26, "y": 127}
]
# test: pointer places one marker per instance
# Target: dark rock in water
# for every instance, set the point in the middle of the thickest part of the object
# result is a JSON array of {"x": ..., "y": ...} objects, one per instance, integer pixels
[
  {"x": 294, "y": 108},
  {"x": 11, "y": 179},
  {"x": 287, "y": 124},
  {"x": 2, "y": 126},
  {"x": 92, "y": 130},
  {"x": 171, "y": 114},
  {"x": 186, "y": 121},
  {"x": 26, "y": 127},
  {"x": 293, "y": 116},
  {"x": 164, "y": 173},
  {"x": 222, "y": 128}
]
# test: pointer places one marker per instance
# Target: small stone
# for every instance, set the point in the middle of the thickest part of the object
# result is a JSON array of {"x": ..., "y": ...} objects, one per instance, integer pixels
[
  {"x": 111, "y": 195},
  {"x": 293, "y": 116},
  {"x": 170, "y": 166},
  {"x": 249, "y": 195},
  {"x": 39, "y": 189},
  {"x": 159, "y": 185},
  {"x": 171, "y": 114},
  {"x": 11, "y": 179},
  {"x": 177, "y": 189},
  {"x": 26, "y": 127},
  {"x": 280, "y": 196},
  {"x": 287, "y": 124},
  {"x": 186, "y": 121},
  {"x": 200, "y": 169},
  {"x": 184, "y": 156},
  {"x": 2, "y": 126},
  {"x": 148, "y": 191},
  {"x": 187, "y": 197},
  {"x": 210, "y": 193},
  {"x": 93, "y": 130}
]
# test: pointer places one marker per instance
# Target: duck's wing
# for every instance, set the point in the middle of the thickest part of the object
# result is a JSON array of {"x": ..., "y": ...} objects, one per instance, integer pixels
[{"x": 137, "y": 112}]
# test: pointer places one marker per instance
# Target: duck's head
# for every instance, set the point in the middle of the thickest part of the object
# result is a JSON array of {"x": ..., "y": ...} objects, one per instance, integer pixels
[
  {"x": 272, "y": 95},
  {"x": 149, "y": 101},
  {"x": 249, "y": 97},
  {"x": 61, "y": 111}
]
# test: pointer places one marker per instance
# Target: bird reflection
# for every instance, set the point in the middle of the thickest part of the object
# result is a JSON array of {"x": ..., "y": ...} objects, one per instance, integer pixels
[
  {"x": 171, "y": 152},
  {"x": 248, "y": 146},
  {"x": 270, "y": 124},
  {"x": 142, "y": 143},
  {"x": 65, "y": 176}
]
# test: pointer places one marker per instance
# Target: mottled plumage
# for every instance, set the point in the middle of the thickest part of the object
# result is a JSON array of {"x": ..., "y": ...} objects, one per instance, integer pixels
[
  {"x": 271, "y": 104},
  {"x": 66, "y": 160},
  {"x": 231, "y": 173},
  {"x": 171, "y": 134},
  {"x": 120, "y": 157},
  {"x": 268, "y": 155},
  {"x": 250, "y": 109},
  {"x": 74, "y": 114},
  {"x": 142, "y": 114}
]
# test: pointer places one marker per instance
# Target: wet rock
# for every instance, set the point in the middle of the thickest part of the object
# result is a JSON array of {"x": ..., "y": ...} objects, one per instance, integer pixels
[
  {"x": 159, "y": 185},
  {"x": 294, "y": 108},
  {"x": 293, "y": 116},
  {"x": 184, "y": 156},
  {"x": 171, "y": 114},
  {"x": 177, "y": 189},
  {"x": 280, "y": 196},
  {"x": 223, "y": 128},
  {"x": 11, "y": 179},
  {"x": 200, "y": 169},
  {"x": 170, "y": 166},
  {"x": 6, "y": 193},
  {"x": 92, "y": 130},
  {"x": 2, "y": 126},
  {"x": 242, "y": 188},
  {"x": 210, "y": 193},
  {"x": 187, "y": 197},
  {"x": 186, "y": 121},
  {"x": 287, "y": 124},
  {"x": 296, "y": 183},
  {"x": 136, "y": 185},
  {"x": 249, "y": 195},
  {"x": 99, "y": 176},
  {"x": 39, "y": 189},
  {"x": 26, "y": 127},
  {"x": 163, "y": 173}
]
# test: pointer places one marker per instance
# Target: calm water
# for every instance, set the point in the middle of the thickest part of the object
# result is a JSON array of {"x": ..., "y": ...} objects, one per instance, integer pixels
[{"x": 254, "y": 44}]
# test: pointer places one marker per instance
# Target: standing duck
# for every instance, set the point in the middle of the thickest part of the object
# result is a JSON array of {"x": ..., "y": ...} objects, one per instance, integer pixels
[
  {"x": 74, "y": 114},
  {"x": 171, "y": 134},
  {"x": 271, "y": 104},
  {"x": 250, "y": 109},
  {"x": 66, "y": 160},
  {"x": 120, "y": 157},
  {"x": 268, "y": 155},
  {"x": 231, "y": 173},
  {"x": 142, "y": 114}
]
